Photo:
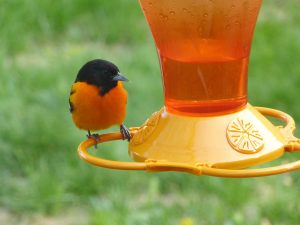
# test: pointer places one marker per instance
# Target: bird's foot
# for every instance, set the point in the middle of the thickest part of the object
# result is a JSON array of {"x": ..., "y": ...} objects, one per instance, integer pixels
[
  {"x": 125, "y": 132},
  {"x": 95, "y": 137}
]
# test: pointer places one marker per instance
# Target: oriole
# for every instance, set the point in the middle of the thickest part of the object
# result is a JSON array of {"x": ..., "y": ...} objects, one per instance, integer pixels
[{"x": 98, "y": 99}]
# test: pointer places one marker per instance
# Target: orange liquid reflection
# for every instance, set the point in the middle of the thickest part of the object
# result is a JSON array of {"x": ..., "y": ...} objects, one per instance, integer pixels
[{"x": 204, "y": 48}]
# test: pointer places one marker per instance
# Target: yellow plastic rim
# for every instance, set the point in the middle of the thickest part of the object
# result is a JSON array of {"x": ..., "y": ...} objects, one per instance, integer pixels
[{"x": 292, "y": 144}]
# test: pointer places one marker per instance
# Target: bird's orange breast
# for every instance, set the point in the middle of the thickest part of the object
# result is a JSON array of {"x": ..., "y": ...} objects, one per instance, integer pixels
[{"x": 91, "y": 111}]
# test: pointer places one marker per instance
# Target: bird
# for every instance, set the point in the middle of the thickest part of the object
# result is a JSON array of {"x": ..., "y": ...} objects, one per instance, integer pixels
[{"x": 98, "y": 99}]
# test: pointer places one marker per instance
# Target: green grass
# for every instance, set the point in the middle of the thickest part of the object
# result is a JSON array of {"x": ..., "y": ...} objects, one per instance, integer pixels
[{"x": 42, "y": 179}]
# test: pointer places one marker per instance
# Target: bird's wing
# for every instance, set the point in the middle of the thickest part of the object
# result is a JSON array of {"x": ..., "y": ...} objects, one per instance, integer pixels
[{"x": 71, "y": 106}]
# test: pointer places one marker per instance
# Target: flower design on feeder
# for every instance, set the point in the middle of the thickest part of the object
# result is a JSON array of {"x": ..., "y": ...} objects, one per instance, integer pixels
[
  {"x": 244, "y": 137},
  {"x": 146, "y": 129}
]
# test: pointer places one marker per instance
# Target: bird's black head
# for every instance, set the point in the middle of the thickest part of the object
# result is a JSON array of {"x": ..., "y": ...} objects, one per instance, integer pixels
[{"x": 100, "y": 73}]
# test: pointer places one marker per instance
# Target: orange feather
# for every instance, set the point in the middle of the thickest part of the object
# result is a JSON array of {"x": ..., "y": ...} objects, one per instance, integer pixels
[{"x": 95, "y": 112}]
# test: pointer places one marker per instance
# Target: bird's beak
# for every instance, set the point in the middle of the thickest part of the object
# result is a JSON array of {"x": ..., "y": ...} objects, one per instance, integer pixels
[{"x": 120, "y": 77}]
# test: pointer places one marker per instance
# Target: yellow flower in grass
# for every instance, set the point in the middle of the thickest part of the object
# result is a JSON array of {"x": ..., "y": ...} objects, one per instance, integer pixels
[{"x": 186, "y": 221}]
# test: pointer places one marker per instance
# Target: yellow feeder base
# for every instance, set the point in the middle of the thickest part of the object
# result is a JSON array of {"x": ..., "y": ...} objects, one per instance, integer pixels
[
  {"x": 234, "y": 141},
  {"x": 216, "y": 146}
]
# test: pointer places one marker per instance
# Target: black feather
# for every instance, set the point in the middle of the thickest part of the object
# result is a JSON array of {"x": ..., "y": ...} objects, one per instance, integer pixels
[
  {"x": 100, "y": 73},
  {"x": 71, "y": 105}
]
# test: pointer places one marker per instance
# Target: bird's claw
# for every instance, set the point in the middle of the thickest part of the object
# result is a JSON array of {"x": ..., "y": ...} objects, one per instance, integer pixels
[
  {"x": 125, "y": 132},
  {"x": 95, "y": 137}
]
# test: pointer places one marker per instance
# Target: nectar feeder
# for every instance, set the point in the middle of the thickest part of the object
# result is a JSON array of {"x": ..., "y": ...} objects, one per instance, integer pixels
[{"x": 207, "y": 126}]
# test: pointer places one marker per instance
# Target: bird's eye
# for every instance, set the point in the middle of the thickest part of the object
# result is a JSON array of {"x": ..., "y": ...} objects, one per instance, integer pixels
[{"x": 105, "y": 71}]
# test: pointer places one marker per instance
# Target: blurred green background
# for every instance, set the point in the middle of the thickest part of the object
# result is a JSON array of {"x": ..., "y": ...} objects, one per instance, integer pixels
[{"x": 42, "y": 180}]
